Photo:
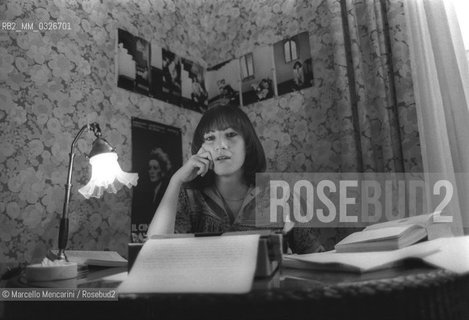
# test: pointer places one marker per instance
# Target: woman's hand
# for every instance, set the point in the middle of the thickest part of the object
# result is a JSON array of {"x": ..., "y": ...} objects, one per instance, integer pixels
[{"x": 198, "y": 164}]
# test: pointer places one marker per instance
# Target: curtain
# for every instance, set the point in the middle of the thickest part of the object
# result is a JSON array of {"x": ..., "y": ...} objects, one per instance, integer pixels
[
  {"x": 371, "y": 87},
  {"x": 381, "y": 99},
  {"x": 441, "y": 82},
  {"x": 374, "y": 106}
]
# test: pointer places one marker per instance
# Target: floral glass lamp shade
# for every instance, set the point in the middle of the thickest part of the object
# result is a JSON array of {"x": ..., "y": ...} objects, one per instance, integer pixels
[{"x": 106, "y": 175}]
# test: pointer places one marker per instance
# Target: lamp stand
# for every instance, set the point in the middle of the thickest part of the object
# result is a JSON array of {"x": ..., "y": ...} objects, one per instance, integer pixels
[{"x": 64, "y": 223}]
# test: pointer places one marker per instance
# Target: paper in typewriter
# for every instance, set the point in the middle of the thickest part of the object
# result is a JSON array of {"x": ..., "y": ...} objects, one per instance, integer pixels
[{"x": 219, "y": 264}]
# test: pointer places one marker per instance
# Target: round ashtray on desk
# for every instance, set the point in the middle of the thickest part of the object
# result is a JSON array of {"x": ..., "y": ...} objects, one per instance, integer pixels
[
  {"x": 66, "y": 283},
  {"x": 51, "y": 271}
]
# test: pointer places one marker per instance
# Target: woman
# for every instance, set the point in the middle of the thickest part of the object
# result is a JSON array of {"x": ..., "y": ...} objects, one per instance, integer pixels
[
  {"x": 298, "y": 74},
  {"x": 159, "y": 167},
  {"x": 199, "y": 95},
  {"x": 214, "y": 190},
  {"x": 150, "y": 191}
]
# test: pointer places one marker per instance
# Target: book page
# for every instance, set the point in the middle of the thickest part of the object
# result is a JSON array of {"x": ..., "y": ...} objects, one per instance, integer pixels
[
  {"x": 364, "y": 261},
  {"x": 453, "y": 254},
  {"x": 98, "y": 258},
  {"x": 375, "y": 234},
  {"x": 421, "y": 220},
  {"x": 194, "y": 265}
]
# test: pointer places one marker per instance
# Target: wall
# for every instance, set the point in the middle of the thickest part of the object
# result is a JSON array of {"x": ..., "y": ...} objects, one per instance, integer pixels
[{"x": 52, "y": 83}]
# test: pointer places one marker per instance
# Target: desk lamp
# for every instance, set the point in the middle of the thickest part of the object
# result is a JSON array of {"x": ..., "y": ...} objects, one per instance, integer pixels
[{"x": 106, "y": 175}]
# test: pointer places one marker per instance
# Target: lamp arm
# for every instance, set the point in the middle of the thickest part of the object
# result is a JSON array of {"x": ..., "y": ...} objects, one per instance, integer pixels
[{"x": 63, "y": 229}]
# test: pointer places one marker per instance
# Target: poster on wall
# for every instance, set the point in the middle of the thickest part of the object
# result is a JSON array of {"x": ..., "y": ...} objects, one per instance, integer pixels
[
  {"x": 194, "y": 94},
  {"x": 293, "y": 63},
  {"x": 156, "y": 65},
  {"x": 257, "y": 77},
  {"x": 223, "y": 84},
  {"x": 156, "y": 154},
  {"x": 133, "y": 68},
  {"x": 171, "y": 77}
]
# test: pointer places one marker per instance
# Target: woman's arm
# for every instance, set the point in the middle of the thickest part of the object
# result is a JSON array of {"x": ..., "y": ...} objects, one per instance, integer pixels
[
  {"x": 164, "y": 219},
  {"x": 165, "y": 216}
]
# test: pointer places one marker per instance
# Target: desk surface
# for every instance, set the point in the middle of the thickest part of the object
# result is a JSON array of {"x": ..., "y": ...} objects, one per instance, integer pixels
[{"x": 409, "y": 292}]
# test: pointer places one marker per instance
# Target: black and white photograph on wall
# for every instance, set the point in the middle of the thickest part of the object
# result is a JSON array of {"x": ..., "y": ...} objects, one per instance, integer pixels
[
  {"x": 293, "y": 63},
  {"x": 156, "y": 154},
  {"x": 193, "y": 91},
  {"x": 171, "y": 77},
  {"x": 133, "y": 62},
  {"x": 257, "y": 81},
  {"x": 126, "y": 65},
  {"x": 156, "y": 69},
  {"x": 223, "y": 84},
  {"x": 142, "y": 66}
]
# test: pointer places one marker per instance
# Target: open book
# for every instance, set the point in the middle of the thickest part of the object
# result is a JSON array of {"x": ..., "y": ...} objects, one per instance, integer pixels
[
  {"x": 354, "y": 262},
  {"x": 95, "y": 258},
  {"x": 447, "y": 253},
  {"x": 390, "y": 235}
]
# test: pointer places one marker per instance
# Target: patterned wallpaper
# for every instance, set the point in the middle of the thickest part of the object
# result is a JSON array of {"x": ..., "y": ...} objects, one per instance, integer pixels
[{"x": 54, "y": 82}]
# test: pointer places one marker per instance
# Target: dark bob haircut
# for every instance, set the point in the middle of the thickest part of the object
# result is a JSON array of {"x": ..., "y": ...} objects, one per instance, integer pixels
[{"x": 224, "y": 117}]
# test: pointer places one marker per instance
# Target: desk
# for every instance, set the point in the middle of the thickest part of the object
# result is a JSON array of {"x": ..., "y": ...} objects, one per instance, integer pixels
[{"x": 409, "y": 292}]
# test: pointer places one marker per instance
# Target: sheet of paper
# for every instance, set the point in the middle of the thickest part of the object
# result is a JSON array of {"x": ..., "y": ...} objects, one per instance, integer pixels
[
  {"x": 450, "y": 253},
  {"x": 453, "y": 254},
  {"x": 220, "y": 264},
  {"x": 365, "y": 261}
]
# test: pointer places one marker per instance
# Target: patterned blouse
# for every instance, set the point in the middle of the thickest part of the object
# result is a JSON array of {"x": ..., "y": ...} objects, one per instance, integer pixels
[{"x": 204, "y": 211}]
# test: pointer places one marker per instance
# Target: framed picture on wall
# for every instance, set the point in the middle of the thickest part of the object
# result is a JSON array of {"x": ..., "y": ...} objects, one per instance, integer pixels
[
  {"x": 257, "y": 78},
  {"x": 156, "y": 154},
  {"x": 293, "y": 63}
]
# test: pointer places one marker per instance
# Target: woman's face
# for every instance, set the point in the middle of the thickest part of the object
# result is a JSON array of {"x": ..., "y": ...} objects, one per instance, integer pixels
[
  {"x": 154, "y": 170},
  {"x": 228, "y": 151}
]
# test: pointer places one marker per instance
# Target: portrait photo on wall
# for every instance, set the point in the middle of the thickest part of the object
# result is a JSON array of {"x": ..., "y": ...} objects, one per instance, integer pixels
[
  {"x": 223, "y": 84},
  {"x": 142, "y": 66},
  {"x": 293, "y": 63},
  {"x": 156, "y": 65},
  {"x": 194, "y": 94},
  {"x": 156, "y": 154},
  {"x": 257, "y": 81},
  {"x": 171, "y": 77}
]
